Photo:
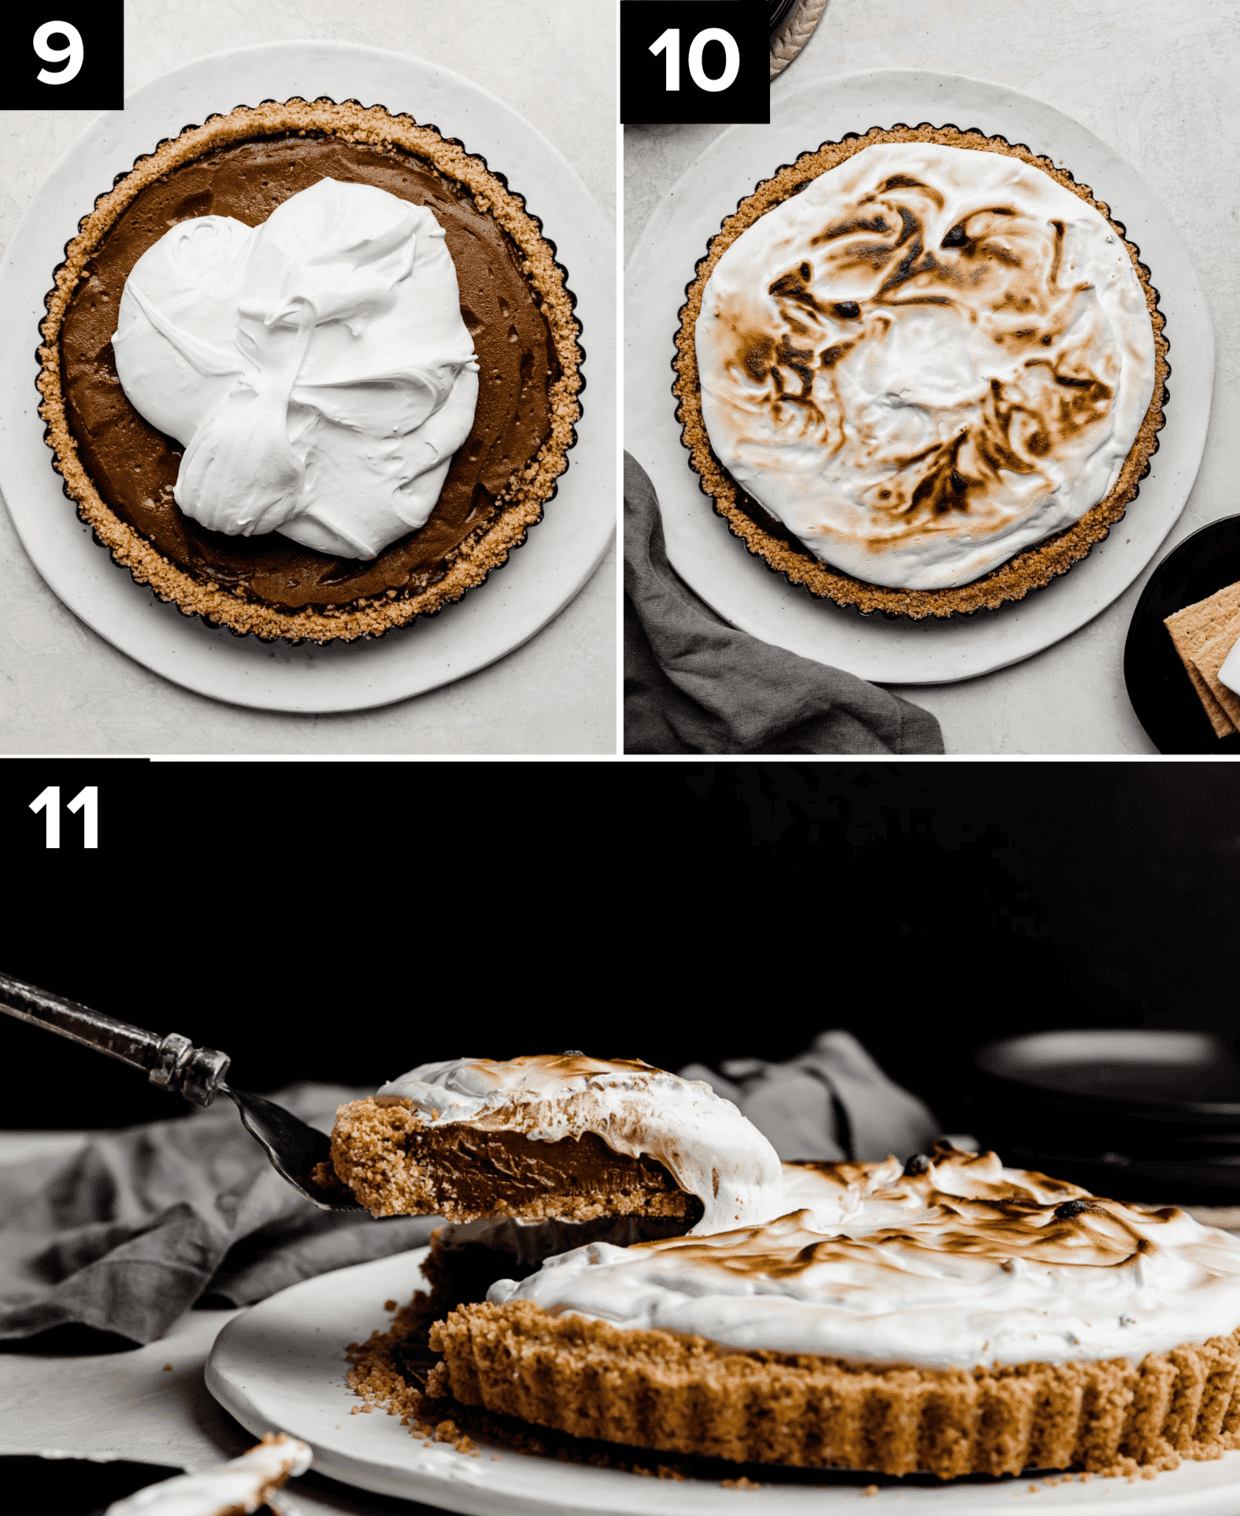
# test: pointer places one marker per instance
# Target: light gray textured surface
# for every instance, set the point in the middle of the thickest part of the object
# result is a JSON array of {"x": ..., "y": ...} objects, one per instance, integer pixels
[
  {"x": 149, "y": 1404},
  {"x": 1154, "y": 79},
  {"x": 64, "y": 690}
]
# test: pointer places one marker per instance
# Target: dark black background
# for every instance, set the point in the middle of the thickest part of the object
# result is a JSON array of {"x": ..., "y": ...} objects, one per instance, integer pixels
[
  {"x": 100, "y": 84},
  {"x": 345, "y": 922}
]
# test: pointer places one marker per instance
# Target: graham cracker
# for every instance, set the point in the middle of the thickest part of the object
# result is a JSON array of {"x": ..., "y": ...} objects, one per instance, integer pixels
[
  {"x": 1210, "y": 659},
  {"x": 1192, "y": 630}
]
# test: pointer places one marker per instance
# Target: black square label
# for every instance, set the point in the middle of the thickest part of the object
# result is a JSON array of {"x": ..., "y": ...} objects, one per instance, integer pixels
[
  {"x": 694, "y": 61},
  {"x": 63, "y": 56}
]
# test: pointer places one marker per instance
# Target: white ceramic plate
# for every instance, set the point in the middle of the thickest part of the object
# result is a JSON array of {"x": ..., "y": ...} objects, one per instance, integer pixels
[
  {"x": 561, "y": 552},
  {"x": 702, "y": 549},
  {"x": 280, "y": 1366}
]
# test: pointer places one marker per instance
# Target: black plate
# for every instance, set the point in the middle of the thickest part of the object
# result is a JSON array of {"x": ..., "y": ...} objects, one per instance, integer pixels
[
  {"x": 1134, "y": 1074},
  {"x": 1134, "y": 1113},
  {"x": 1158, "y": 686},
  {"x": 79, "y": 1486},
  {"x": 779, "y": 12}
]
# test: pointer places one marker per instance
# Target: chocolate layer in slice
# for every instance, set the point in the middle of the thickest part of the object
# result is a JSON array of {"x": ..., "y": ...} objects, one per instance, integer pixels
[{"x": 395, "y": 1165}]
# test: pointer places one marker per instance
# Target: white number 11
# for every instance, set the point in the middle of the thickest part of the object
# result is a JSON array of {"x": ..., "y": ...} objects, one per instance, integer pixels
[{"x": 86, "y": 800}]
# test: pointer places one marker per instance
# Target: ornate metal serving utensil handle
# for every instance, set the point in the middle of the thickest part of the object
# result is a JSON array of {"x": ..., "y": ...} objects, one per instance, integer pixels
[
  {"x": 172, "y": 1062},
  {"x": 175, "y": 1064}
]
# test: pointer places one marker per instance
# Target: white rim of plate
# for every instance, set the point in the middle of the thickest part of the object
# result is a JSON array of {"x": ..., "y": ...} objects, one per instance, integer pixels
[
  {"x": 561, "y": 552},
  {"x": 739, "y": 585}
]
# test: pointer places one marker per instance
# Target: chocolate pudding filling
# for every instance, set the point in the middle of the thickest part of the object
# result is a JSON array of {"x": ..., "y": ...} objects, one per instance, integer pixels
[
  {"x": 134, "y": 466},
  {"x": 482, "y": 1173}
]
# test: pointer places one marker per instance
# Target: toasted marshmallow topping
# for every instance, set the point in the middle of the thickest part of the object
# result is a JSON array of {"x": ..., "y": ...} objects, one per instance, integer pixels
[
  {"x": 316, "y": 367},
  {"x": 704, "y": 1142},
  {"x": 964, "y": 1265},
  {"x": 838, "y": 1192},
  {"x": 242, "y": 1485},
  {"x": 929, "y": 359}
]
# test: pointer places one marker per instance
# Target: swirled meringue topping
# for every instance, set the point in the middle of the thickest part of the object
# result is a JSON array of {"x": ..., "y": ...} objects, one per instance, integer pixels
[
  {"x": 703, "y": 1141},
  {"x": 839, "y": 1192},
  {"x": 965, "y": 1264},
  {"x": 929, "y": 359},
  {"x": 315, "y": 367}
]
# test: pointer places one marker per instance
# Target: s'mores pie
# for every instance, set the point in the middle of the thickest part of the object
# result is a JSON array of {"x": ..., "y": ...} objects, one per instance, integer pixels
[
  {"x": 310, "y": 370},
  {"x": 948, "y": 1316},
  {"x": 921, "y": 371}
]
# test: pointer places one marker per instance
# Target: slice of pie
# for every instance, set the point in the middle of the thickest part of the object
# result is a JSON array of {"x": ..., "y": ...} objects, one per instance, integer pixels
[{"x": 554, "y": 1136}]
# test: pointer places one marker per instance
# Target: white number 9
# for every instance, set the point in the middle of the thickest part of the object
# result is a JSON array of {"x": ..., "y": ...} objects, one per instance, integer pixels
[{"x": 71, "y": 55}]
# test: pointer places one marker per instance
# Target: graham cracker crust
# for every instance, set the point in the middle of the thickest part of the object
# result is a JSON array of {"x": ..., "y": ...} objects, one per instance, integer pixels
[
  {"x": 521, "y": 504},
  {"x": 688, "y": 1395},
  {"x": 1031, "y": 569}
]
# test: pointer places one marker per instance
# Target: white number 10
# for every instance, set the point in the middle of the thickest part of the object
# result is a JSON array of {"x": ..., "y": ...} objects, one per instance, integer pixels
[
  {"x": 71, "y": 56},
  {"x": 669, "y": 43}
]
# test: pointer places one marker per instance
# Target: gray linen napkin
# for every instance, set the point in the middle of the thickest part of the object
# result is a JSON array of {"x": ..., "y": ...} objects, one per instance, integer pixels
[
  {"x": 831, "y": 1102},
  {"x": 694, "y": 684},
  {"x": 143, "y": 1223}
]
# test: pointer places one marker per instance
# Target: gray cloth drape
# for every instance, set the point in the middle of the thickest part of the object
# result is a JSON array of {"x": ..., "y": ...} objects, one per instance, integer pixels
[
  {"x": 831, "y": 1102},
  {"x": 142, "y": 1223},
  {"x": 694, "y": 684}
]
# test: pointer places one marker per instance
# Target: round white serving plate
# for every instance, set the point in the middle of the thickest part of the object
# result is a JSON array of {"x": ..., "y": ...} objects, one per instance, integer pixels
[
  {"x": 280, "y": 1366},
  {"x": 738, "y": 584},
  {"x": 561, "y": 552}
]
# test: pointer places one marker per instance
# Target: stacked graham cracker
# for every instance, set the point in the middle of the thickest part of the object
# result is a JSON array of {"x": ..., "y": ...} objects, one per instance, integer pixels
[{"x": 1204, "y": 634}]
